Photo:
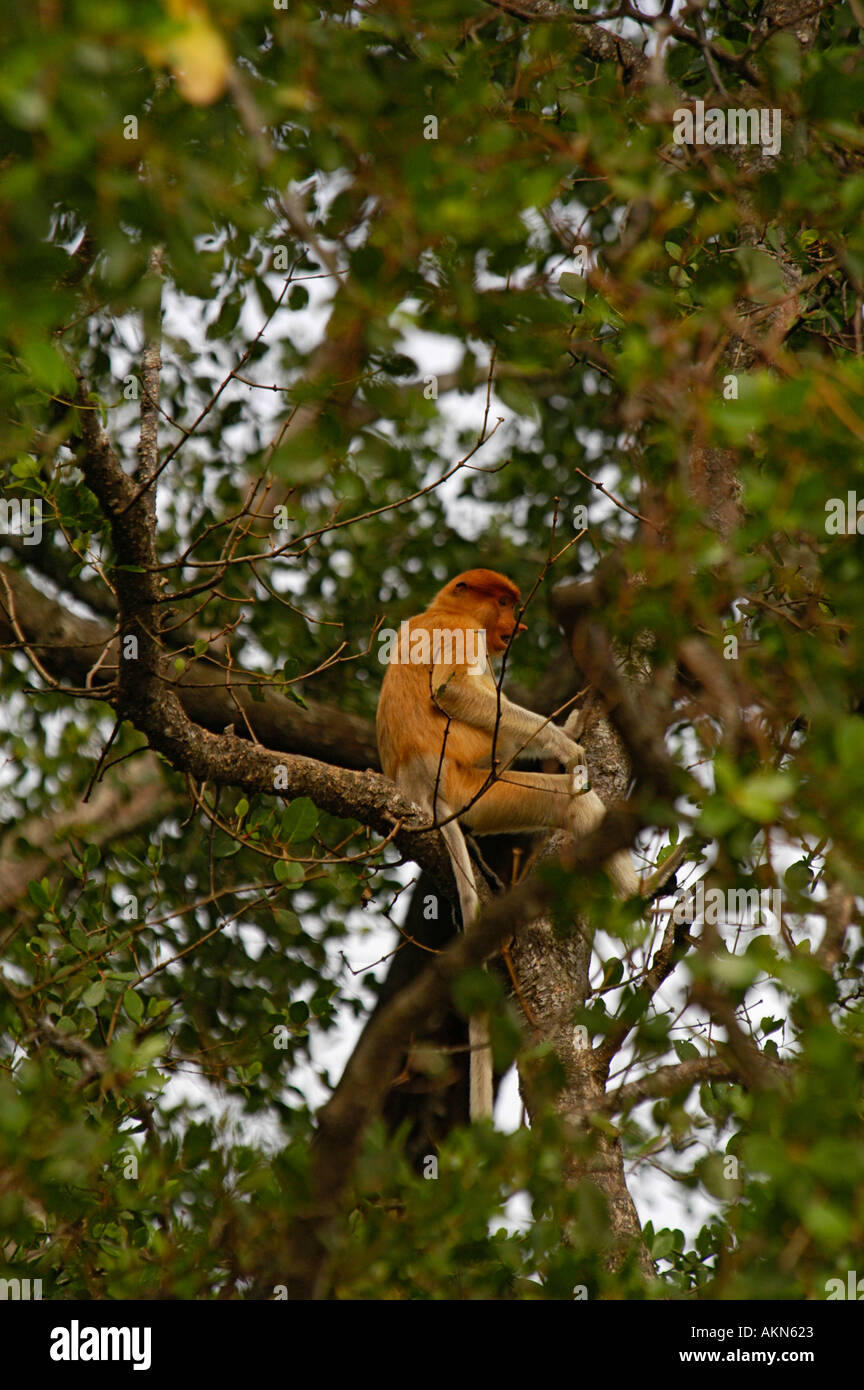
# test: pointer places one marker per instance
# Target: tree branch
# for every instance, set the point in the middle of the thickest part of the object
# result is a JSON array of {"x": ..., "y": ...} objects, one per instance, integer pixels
[
  {"x": 665, "y": 1081},
  {"x": 373, "y": 1066},
  {"x": 69, "y": 648},
  {"x": 599, "y": 43},
  {"x": 116, "y": 809}
]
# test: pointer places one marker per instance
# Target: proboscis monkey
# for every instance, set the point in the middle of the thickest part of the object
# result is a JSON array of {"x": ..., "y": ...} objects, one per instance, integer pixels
[{"x": 439, "y": 715}]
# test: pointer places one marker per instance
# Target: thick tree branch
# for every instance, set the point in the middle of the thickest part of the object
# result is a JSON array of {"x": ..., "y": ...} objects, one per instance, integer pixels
[
  {"x": 375, "y": 1062},
  {"x": 155, "y": 708},
  {"x": 601, "y": 44},
  {"x": 69, "y": 648},
  {"x": 666, "y": 1081}
]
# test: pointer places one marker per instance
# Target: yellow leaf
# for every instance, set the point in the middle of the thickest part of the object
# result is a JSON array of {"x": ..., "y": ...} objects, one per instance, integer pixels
[
  {"x": 199, "y": 59},
  {"x": 196, "y": 53}
]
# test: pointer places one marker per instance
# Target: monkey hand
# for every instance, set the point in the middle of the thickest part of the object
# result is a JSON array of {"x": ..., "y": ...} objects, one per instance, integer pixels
[
  {"x": 572, "y": 723},
  {"x": 572, "y": 754},
  {"x": 577, "y": 767},
  {"x": 575, "y": 760}
]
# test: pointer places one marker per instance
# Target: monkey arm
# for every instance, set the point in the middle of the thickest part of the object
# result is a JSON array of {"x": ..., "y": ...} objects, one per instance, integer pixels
[{"x": 520, "y": 732}]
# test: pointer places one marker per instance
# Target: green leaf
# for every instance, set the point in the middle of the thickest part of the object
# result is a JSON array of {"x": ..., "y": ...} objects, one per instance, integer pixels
[
  {"x": 761, "y": 796},
  {"x": 299, "y": 820},
  {"x": 133, "y": 1005},
  {"x": 149, "y": 1049},
  {"x": 573, "y": 285},
  {"x": 37, "y": 894},
  {"x": 763, "y": 273},
  {"x": 48, "y": 369},
  {"x": 798, "y": 876},
  {"x": 613, "y": 972},
  {"x": 476, "y": 991},
  {"x": 288, "y": 871},
  {"x": 737, "y": 971}
]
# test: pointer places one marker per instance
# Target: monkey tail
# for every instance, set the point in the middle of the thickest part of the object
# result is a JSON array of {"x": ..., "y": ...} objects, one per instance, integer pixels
[
  {"x": 480, "y": 1068},
  {"x": 480, "y": 1094}
]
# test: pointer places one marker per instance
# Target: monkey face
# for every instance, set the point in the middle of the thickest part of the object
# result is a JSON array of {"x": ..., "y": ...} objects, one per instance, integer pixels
[
  {"x": 491, "y": 599},
  {"x": 501, "y": 626}
]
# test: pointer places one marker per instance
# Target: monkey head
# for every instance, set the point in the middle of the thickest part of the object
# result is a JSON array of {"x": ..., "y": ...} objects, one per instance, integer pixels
[{"x": 487, "y": 598}]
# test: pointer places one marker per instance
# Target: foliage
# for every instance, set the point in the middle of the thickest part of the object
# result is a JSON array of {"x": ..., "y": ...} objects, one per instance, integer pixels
[{"x": 281, "y": 158}]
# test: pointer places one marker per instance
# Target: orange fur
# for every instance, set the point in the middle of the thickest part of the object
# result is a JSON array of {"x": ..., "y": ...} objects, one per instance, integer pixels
[{"x": 439, "y": 722}]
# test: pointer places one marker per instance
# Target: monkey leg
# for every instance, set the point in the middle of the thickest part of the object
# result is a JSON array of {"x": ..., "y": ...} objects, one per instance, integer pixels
[
  {"x": 516, "y": 801},
  {"x": 526, "y": 801}
]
